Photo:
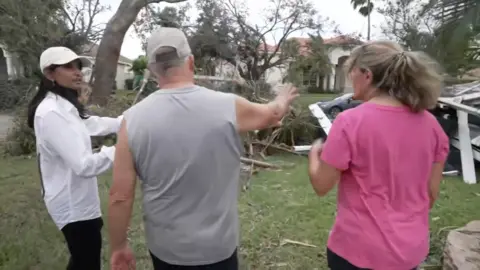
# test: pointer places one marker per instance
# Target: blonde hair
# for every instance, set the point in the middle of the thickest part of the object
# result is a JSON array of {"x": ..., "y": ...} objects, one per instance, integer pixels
[{"x": 413, "y": 78}]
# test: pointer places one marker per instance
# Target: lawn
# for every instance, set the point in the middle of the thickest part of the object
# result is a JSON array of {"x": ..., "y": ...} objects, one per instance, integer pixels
[
  {"x": 279, "y": 205},
  {"x": 307, "y": 99},
  {"x": 303, "y": 100}
]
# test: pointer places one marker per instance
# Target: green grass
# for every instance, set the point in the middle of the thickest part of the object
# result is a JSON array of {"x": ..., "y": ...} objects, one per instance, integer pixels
[
  {"x": 279, "y": 205},
  {"x": 306, "y": 99}
]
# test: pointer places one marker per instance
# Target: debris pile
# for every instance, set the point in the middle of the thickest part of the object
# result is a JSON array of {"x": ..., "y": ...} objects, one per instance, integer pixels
[{"x": 299, "y": 126}]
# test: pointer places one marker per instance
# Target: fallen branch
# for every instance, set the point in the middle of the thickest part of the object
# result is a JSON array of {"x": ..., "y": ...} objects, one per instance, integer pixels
[
  {"x": 276, "y": 147},
  {"x": 293, "y": 242},
  {"x": 257, "y": 163},
  {"x": 247, "y": 182}
]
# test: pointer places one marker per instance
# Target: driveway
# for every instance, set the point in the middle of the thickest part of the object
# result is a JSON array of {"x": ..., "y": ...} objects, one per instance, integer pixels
[{"x": 5, "y": 123}]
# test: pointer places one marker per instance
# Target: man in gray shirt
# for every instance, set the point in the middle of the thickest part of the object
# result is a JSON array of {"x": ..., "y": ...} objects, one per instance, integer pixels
[{"x": 183, "y": 142}]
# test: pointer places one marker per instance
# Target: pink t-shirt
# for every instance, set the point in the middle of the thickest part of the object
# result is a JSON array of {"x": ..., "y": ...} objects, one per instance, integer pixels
[{"x": 386, "y": 154}]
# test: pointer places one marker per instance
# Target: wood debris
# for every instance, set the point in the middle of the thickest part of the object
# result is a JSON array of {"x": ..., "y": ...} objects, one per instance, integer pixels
[
  {"x": 293, "y": 242},
  {"x": 258, "y": 163}
]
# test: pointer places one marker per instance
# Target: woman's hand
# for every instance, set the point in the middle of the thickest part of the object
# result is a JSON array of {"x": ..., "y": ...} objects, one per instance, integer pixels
[
  {"x": 323, "y": 177},
  {"x": 315, "y": 152}
]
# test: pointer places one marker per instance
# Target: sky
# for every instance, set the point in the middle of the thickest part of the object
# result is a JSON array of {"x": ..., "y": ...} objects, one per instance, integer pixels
[{"x": 340, "y": 12}]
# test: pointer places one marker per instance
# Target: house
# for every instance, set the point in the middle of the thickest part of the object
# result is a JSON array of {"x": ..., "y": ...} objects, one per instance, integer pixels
[
  {"x": 340, "y": 49},
  {"x": 11, "y": 67},
  {"x": 123, "y": 66}
]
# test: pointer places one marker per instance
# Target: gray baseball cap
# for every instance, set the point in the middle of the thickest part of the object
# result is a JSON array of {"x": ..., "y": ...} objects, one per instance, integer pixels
[{"x": 164, "y": 39}]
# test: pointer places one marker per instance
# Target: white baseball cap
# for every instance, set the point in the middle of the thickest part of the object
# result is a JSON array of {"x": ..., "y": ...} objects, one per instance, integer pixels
[
  {"x": 164, "y": 38},
  {"x": 61, "y": 56}
]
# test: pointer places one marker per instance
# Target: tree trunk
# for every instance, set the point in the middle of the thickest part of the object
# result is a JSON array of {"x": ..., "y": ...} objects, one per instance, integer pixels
[
  {"x": 369, "y": 22},
  {"x": 109, "y": 49}
]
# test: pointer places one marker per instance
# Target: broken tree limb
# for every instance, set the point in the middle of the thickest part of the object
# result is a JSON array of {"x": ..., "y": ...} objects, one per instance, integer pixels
[
  {"x": 293, "y": 242},
  {"x": 257, "y": 163},
  {"x": 276, "y": 147}
]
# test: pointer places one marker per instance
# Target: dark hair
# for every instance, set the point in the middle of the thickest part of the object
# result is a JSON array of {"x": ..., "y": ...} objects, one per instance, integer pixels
[{"x": 46, "y": 86}]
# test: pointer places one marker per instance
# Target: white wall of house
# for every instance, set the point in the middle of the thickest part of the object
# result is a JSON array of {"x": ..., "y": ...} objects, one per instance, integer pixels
[
  {"x": 123, "y": 73},
  {"x": 336, "y": 54},
  {"x": 275, "y": 75},
  {"x": 272, "y": 76},
  {"x": 11, "y": 64}
]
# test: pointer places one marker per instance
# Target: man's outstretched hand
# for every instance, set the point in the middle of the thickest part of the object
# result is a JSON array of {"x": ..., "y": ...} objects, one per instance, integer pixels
[
  {"x": 286, "y": 94},
  {"x": 122, "y": 259}
]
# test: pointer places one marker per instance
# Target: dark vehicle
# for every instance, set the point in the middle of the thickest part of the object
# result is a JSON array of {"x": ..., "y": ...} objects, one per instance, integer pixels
[{"x": 333, "y": 107}]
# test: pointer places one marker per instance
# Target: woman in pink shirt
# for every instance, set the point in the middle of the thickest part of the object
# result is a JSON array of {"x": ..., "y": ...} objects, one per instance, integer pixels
[{"x": 387, "y": 156}]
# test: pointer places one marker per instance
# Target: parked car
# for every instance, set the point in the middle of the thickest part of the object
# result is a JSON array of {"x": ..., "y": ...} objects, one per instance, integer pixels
[{"x": 333, "y": 107}]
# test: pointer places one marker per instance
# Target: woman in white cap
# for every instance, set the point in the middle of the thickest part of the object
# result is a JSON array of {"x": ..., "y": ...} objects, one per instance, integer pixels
[{"x": 68, "y": 167}]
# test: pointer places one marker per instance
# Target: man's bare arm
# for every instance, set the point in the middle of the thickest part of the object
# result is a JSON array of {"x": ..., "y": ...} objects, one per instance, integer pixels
[
  {"x": 122, "y": 192},
  {"x": 255, "y": 116}
]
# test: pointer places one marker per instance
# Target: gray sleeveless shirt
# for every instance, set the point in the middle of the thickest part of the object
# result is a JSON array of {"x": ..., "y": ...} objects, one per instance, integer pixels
[{"x": 187, "y": 152}]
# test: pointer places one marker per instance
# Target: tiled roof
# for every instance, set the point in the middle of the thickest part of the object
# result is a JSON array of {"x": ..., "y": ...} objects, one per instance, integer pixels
[{"x": 304, "y": 43}]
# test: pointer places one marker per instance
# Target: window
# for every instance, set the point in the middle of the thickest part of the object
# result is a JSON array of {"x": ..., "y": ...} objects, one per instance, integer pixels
[{"x": 309, "y": 78}]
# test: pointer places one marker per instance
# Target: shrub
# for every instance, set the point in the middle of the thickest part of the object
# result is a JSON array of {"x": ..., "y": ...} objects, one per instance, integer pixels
[
  {"x": 299, "y": 127},
  {"x": 314, "y": 89},
  {"x": 116, "y": 105},
  {"x": 20, "y": 138},
  {"x": 13, "y": 93},
  {"x": 150, "y": 87},
  {"x": 129, "y": 84},
  {"x": 137, "y": 81}
]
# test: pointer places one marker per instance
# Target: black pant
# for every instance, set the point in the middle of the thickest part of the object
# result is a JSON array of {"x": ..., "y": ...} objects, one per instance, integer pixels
[
  {"x": 336, "y": 262},
  {"x": 84, "y": 241},
  {"x": 230, "y": 263}
]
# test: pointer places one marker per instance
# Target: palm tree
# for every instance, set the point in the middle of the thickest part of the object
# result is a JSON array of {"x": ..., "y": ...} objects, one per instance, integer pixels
[
  {"x": 365, "y": 7},
  {"x": 313, "y": 62}
]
